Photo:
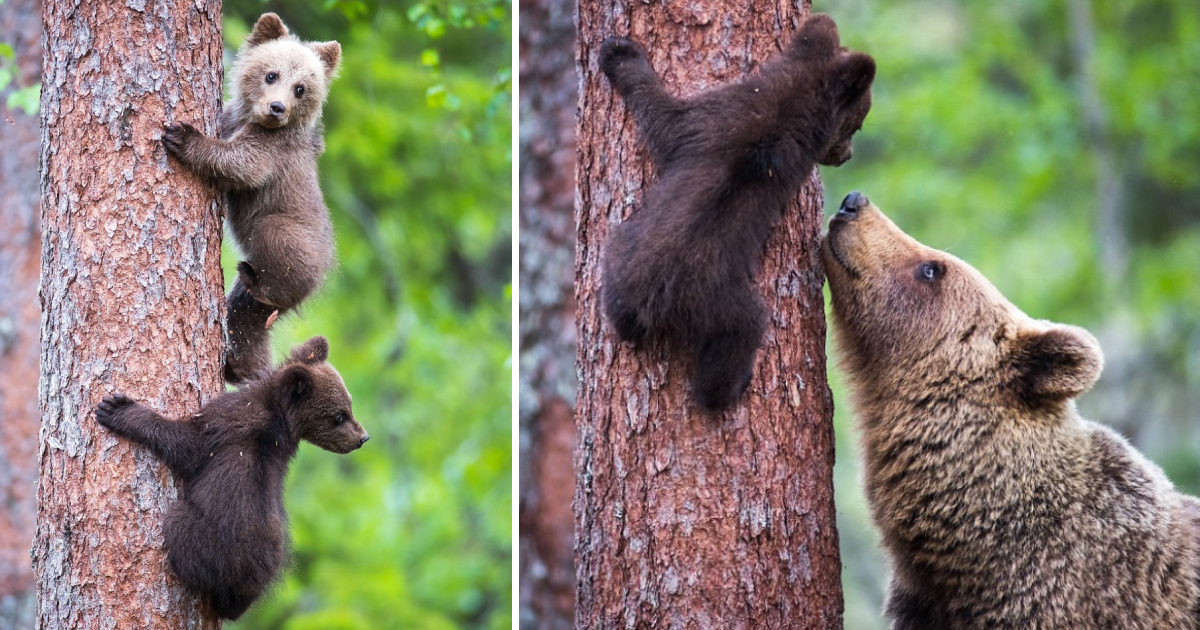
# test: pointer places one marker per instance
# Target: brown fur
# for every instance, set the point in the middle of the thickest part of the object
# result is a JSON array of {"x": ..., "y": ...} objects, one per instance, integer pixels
[
  {"x": 729, "y": 161},
  {"x": 225, "y": 536},
  {"x": 266, "y": 160},
  {"x": 1000, "y": 506}
]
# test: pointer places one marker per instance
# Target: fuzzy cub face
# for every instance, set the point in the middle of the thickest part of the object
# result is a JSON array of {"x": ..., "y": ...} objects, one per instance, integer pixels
[
  {"x": 912, "y": 319},
  {"x": 317, "y": 397},
  {"x": 279, "y": 80},
  {"x": 845, "y": 80}
]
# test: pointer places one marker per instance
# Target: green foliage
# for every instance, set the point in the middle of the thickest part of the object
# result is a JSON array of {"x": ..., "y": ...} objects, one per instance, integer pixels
[
  {"x": 413, "y": 530},
  {"x": 26, "y": 99},
  {"x": 978, "y": 143}
]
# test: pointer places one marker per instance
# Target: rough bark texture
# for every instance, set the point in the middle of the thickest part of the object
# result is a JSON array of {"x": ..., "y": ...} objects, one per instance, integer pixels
[
  {"x": 686, "y": 519},
  {"x": 547, "y": 317},
  {"x": 21, "y": 27},
  {"x": 132, "y": 299}
]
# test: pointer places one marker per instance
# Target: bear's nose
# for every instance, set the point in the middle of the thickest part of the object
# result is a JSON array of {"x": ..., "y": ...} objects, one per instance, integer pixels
[
  {"x": 852, "y": 203},
  {"x": 278, "y": 108},
  {"x": 366, "y": 436}
]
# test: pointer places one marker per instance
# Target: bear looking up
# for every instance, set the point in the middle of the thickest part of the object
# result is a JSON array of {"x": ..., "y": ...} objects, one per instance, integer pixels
[
  {"x": 266, "y": 161},
  {"x": 729, "y": 161},
  {"x": 225, "y": 535},
  {"x": 1000, "y": 507}
]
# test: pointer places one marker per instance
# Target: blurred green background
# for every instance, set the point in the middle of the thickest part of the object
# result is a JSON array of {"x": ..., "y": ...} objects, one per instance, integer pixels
[
  {"x": 414, "y": 530},
  {"x": 1055, "y": 146}
]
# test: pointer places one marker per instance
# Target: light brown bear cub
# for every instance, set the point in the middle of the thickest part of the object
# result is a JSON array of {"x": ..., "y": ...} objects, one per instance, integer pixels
[
  {"x": 266, "y": 161},
  {"x": 999, "y": 505}
]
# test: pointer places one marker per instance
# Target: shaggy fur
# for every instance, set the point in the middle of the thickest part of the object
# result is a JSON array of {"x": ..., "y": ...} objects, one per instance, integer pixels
[
  {"x": 729, "y": 161},
  {"x": 266, "y": 161},
  {"x": 225, "y": 536},
  {"x": 1000, "y": 506}
]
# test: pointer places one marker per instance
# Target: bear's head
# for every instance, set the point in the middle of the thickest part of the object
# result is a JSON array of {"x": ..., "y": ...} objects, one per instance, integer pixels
[
  {"x": 278, "y": 80},
  {"x": 924, "y": 327},
  {"x": 317, "y": 399},
  {"x": 844, "y": 78}
]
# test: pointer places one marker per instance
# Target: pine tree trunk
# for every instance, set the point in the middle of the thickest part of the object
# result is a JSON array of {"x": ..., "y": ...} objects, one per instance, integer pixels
[
  {"x": 131, "y": 299},
  {"x": 686, "y": 519},
  {"x": 20, "y": 27},
  {"x": 547, "y": 316}
]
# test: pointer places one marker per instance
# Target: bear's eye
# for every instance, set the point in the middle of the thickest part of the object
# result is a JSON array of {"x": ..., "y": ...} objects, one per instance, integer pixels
[
  {"x": 341, "y": 418},
  {"x": 930, "y": 271},
  {"x": 272, "y": 77},
  {"x": 299, "y": 91}
]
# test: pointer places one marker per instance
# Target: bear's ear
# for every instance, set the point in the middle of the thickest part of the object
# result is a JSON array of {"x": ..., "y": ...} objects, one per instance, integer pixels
[
  {"x": 851, "y": 77},
  {"x": 314, "y": 350},
  {"x": 816, "y": 39},
  {"x": 1060, "y": 363},
  {"x": 330, "y": 54},
  {"x": 267, "y": 28},
  {"x": 296, "y": 384}
]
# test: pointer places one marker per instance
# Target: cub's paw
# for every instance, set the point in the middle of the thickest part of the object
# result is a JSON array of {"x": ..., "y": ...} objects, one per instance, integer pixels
[
  {"x": 175, "y": 136},
  {"x": 109, "y": 409},
  {"x": 618, "y": 51}
]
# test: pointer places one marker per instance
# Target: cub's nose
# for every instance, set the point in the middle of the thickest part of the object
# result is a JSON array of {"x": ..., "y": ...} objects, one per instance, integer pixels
[
  {"x": 278, "y": 108},
  {"x": 852, "y": 203},
  {"x": 365, "y": 437}
]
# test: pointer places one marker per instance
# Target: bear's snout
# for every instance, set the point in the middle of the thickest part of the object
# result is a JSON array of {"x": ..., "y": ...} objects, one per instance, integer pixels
[
  {"x": 852, "y": 204},
  {"x": 277, "y": 108}
]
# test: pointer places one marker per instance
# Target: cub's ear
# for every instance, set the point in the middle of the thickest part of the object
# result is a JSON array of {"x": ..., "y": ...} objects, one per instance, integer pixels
[
  {"x": 314, "y": 350},
  {"x": 852, "y": 76},
  {"x": 267, "y": 28},
  {"x": 330, "y": 54},
  {"x": 816, "y": 39},
  {"x": 295, "y": 384},
  {"x": 1060, "y": 363}
]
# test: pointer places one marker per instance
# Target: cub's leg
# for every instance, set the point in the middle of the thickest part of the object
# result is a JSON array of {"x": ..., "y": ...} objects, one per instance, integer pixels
[
  {"x": 173, "y": 441},
  {"x": 236, "y": 163},
  {"x": 656, "y": 112},
  {"x": 913, "y": 612},
  {"x": 622, "y": 315},
  {"x": 248, "y": 352}
]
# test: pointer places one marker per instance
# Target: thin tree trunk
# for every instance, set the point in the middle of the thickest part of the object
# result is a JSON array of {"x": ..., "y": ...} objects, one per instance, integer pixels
[
  {"x": 20, "y": 27},
  {"x": 131, "y": 298},
  {"x": 547, "y": 322},
  {"x": 686, "y": 519}
]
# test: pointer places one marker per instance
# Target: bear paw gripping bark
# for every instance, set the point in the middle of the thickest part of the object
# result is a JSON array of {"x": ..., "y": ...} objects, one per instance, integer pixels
[
  {"x": 999, "y": 505},
  {"x": 729, "y": 161},
  {"x": 266, "y": 161},
  {"x": 225, "y": 535}
]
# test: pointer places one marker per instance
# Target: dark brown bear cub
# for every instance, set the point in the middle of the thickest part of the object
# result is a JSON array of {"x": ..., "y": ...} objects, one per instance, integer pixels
[
  {"x": 266, "y": 161},
  {"x": 225, "y": 535},
  {"x": 729, "y": 161},
  {"x": 1001, "y": 508}
]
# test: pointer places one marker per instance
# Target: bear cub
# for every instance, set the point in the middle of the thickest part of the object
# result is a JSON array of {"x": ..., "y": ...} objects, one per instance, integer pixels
[
  {"x": 1000, "y": 507},
  {"x": 225, "y": 535},
  {"x": 266, "y": 162},
  {"x": 729, "y": 161}
]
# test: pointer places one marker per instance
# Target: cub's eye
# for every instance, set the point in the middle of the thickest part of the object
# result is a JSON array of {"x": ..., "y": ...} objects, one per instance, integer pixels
[
  {"x": 341, "y": 418},
  {"x": 272, "y": 77},
  {"x": 299, "y": 91},
  {"x": 930, "y": 271}
]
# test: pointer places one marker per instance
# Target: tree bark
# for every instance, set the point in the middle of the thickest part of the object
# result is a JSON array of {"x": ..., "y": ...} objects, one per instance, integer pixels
[
  {"x": 547, "y": 314},
  {"x": 20, "y": 27},
  {"x": 132, "y": 299},
  {"x": 686, "y": 519}
]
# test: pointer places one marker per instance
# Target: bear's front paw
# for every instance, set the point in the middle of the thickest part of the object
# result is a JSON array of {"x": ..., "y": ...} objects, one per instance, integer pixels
[
  {"x": 109, "y": 408},
  {"x": 175, "y": 136},
  {"x": 616, "y": 51}
]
